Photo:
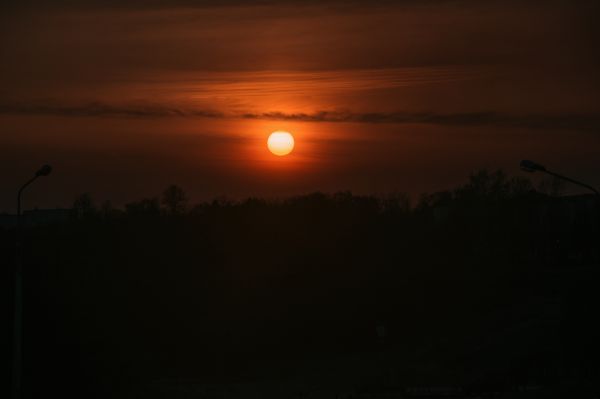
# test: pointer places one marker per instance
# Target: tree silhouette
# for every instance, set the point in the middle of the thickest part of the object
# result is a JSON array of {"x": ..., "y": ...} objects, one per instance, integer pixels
[
  {"x": 174, "y": 199},
  {"x": 552, "y": 186},
  {"x": 83, "y": 206},
  {"x": 143, "y": 208}
]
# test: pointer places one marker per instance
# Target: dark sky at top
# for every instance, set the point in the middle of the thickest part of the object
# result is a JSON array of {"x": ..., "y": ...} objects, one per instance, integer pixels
[{"x": 126, "y": 97}]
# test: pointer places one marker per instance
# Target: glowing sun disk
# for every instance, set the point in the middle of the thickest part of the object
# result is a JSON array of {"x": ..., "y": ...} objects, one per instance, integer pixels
[{"x": 280, "y": 143}]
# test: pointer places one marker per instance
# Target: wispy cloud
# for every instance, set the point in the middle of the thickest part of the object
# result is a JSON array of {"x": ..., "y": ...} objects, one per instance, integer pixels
[
  {"x": 145, "y": 4},
  {"x": 267, "y": 83}
]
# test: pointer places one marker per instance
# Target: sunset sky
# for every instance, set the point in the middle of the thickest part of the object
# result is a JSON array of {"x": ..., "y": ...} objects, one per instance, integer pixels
[{"x": 126, "y": 97}]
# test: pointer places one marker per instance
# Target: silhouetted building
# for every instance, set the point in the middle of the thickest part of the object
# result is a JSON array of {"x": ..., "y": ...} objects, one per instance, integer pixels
[
  {"x": 36, "y": 217},
  {"x": 7, "y": 220}
]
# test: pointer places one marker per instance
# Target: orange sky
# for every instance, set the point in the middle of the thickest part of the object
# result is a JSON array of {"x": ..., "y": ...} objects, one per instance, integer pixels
[{"x": 391, "y": 96}]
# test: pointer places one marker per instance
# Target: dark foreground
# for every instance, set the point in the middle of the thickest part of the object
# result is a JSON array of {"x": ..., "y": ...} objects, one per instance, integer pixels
[{"x": 488, "y": 290}]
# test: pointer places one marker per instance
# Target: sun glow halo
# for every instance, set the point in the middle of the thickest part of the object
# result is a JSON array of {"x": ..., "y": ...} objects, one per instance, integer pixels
[{"x": 280, "y": 143}]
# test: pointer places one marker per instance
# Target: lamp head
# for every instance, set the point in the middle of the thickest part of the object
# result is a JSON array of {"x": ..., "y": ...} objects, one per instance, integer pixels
[
  {"x": 530, "y": 166},
  {"x": 44, "y": 170}
]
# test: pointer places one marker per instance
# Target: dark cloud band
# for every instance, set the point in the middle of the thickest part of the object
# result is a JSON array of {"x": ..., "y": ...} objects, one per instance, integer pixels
[
  {"x": 583, "y": 122},
  {"x": 535, "y": 121}
]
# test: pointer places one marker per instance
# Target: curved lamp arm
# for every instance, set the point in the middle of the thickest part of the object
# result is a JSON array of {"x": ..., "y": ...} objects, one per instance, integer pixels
[{"x": 530, "y": 166}]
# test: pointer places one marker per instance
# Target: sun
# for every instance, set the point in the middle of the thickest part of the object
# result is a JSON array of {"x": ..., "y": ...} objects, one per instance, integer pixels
[{"x": 280, "y": 143}]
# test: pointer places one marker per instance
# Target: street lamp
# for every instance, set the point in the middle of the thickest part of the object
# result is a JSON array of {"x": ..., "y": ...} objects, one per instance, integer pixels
[
  {"x": 18, "y": 317},
  {"x": 530, "y": 166}
]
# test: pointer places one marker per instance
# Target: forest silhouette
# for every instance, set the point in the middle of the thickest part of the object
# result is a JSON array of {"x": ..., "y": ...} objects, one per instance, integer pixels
[{"x": 488, "y": 287}]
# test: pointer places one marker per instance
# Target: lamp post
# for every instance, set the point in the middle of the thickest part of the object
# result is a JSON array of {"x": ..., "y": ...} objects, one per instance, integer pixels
[
  {"x": 530, "y": 166},
  {"x": 18, "y": 316}
]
